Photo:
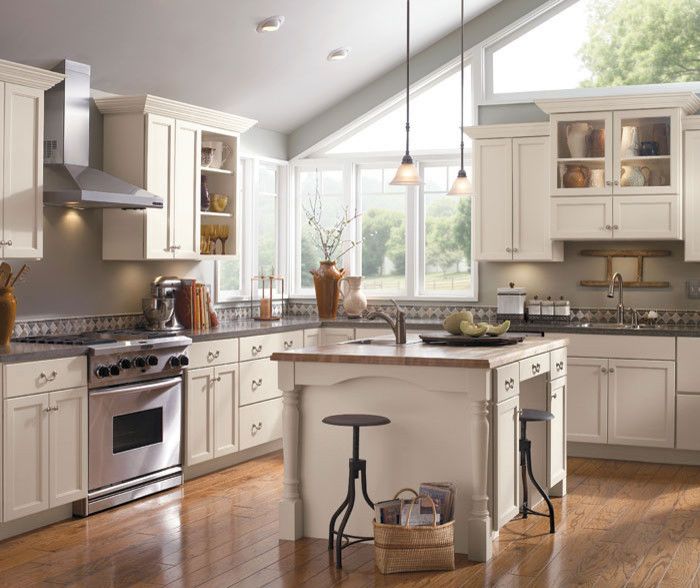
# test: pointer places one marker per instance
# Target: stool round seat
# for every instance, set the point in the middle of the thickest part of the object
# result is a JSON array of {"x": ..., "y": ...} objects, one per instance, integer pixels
[
  {"x": 532, "y": 415},
  {"x": 356, "y": 420}
]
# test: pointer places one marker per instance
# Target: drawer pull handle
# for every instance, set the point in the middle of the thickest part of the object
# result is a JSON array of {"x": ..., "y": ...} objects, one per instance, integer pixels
[
  {"x": 255, "y": 428},
  {"x": 50, "y": 378},
  {"x": 255, "y": 349},
  {"x": 288, "y": 345},
  {"x": 51, "y": 408},
  {"x": 211, "y": 355},
  {"x": 560, "y": 366},
  {"x": 509, "y": 384},
  {"x": 255, "y": 384},
  {"x": 536, "y": 368},
  {"x": 554, "y": 395}
]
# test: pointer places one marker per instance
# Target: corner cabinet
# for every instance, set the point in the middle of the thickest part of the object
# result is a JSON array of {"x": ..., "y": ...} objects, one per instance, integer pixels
[
  {"x": 157, "y": 144},
  {"x": 21, "y": 158},
  {"x": 691, "y": 187},
  {"x": 511, "y": 201},
  {"x": 616, "y": 164}
]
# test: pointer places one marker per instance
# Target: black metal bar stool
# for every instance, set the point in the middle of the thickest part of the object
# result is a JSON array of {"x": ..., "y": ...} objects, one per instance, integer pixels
[
  {"x": 529, "y": 415},
  {"x": 358, "y": 468}
]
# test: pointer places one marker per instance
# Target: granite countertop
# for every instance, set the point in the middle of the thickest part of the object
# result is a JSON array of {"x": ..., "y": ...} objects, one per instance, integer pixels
[
  {"x": 18, "y": 352},
  {"x": 417, "y": 353}
]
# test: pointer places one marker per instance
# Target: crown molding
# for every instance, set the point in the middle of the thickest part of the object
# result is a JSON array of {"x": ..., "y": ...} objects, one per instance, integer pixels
[
  {"x": 688, "y": 102},
  {"x": 178, "y": 110},
  {"x": 26, "y": 75},
  {"x": 540, "y": 129}
]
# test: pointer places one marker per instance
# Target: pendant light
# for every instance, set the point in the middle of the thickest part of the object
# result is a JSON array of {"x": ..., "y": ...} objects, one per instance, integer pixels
[
  {"x": 407, "y": 174},
  {"x": 462, "y": 186}
]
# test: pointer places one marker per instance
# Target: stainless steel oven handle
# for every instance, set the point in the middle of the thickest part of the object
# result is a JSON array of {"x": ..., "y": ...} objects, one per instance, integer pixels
[{"x": 157, "y": 385}]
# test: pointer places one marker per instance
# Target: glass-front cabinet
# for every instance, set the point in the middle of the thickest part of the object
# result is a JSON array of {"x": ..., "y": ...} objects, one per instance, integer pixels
[{"x": 627, "y": 152}]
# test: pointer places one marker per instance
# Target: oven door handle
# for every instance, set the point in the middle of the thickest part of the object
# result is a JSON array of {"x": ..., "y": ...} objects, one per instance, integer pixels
[{"x": 157, "y": 385}]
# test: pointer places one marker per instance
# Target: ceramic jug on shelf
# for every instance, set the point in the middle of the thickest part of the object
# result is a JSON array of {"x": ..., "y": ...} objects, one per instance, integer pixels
[
  {"x": 354, "y": 299},
  {"x": 629, "y": 144},
  {"x": 578, "y": 139},
  {"x": 633, "y": 175},
  {"x": 597, "y": 179},
  {"x": 576, "y": 176}
]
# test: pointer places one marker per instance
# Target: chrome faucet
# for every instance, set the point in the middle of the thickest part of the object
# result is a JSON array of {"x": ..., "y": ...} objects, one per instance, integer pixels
[
  {"x": 617, "y": 277},
  {"x": 398, "y": 325}
]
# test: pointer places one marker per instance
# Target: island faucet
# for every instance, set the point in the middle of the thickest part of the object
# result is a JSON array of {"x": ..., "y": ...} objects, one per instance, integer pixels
[
  {"x": 398, "y": 325},
  {"x": 617, "y": 277}
]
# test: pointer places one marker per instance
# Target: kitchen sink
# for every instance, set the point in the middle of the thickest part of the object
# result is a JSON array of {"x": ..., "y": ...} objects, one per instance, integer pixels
[{"x": 613, "y": 326}]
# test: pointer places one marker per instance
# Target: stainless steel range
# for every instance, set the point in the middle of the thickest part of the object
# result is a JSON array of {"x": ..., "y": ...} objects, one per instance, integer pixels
[{"x": 134, "y": 413}]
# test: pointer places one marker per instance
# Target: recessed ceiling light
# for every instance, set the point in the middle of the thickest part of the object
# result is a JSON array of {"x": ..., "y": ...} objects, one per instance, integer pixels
[
  {"x": 270, "y": 24},
  {"x": 339, "y": 54}
]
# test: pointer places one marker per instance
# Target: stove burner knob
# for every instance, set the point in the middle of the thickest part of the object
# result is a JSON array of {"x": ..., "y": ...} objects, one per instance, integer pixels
[
  {"x": 152, "y": 360},
  {"x": 174, "y": 361},
  {"x": 124, "y": 364},
  {"x": 102, "y": 371},
  {"x": 140, "y": 362},
  {"x": 184, "y": 360},
  {"x": 114, "y": 370}
]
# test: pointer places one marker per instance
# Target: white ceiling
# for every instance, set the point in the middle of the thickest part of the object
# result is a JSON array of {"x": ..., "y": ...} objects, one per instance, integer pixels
[{"x": 207, "y": 52}]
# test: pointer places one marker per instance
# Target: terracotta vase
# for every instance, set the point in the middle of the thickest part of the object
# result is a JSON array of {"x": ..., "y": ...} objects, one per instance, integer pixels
[
  {"x": 598, "y": 143},
  {"x": 326, "y": 279},
  {"x": 8, "y": 312},
  {"x": 576, "y": 176}
]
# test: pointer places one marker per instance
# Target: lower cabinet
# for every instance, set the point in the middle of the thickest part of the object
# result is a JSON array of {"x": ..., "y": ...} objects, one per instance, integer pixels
[
  {"x": 45, "y": 451},
  {"x": 687, "y": 419},
  {"x": 556, "y": 432},
  {"x": 327, "y": 336},
  {"x": 587, "y": 391},
  {"x": 211, "y": 404},
  {"x": 260, "y": 423},
  {"x": 506, "y": 480}
]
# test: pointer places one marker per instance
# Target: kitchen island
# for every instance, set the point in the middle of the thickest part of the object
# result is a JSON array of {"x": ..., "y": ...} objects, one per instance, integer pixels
[{"x": 454, "y": 417}]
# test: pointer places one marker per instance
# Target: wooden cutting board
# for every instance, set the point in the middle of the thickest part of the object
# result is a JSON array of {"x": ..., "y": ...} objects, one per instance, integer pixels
[{"x": 438, "y": 338}]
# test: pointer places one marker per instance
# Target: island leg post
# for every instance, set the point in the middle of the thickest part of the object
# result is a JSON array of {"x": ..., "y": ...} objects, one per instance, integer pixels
[
  {"x": 479, "y": 525},
  {"x": 291, "y": 514}
]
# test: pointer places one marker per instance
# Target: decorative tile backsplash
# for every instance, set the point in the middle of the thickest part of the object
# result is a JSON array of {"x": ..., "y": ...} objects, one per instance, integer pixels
[{"x": 427, "y": 312}]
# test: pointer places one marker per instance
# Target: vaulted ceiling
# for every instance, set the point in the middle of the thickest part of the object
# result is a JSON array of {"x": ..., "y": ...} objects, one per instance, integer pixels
[{"x": 208, "y": 52}]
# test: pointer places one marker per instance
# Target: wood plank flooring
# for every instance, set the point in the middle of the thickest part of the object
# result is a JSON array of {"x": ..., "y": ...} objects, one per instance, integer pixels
[{"x": 622, "y": 524}]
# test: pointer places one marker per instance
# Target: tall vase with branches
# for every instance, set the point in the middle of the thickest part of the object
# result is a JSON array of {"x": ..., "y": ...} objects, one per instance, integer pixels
[{"x": 331, "y": 242}]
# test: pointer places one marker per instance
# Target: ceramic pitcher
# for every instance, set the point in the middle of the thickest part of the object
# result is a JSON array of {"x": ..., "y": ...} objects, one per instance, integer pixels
[
  {"x": 354, "y": 299},
  {"x": 633, "y": 175},
  {"x": 578, "y": 139},
  {"x": 629, "y": 145}
]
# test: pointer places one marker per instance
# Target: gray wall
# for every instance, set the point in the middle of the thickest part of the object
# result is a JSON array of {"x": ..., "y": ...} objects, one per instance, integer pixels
[{"x": 422, "y": 64}]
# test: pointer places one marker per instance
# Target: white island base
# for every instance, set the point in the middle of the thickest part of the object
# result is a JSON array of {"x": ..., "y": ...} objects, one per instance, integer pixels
[{"x": 448, "y": 424}]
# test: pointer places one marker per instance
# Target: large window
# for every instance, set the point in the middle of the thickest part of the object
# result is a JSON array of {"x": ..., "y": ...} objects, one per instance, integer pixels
[{"x": 596, "y": 44}]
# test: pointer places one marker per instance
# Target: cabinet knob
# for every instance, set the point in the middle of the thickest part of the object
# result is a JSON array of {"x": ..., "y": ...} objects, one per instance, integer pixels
[
  {"x": 607, "y": 228},
  {"x": 9, "y": 242},
  {"x": 554, "y": 395},
  {"x": 604, "y": 370},
  {"x": 608, "y": 182},
  {"x": 515, "y": 249},
  {"x": 615, "y": 227},
  {"x": 616, "y": 183},
  {"x": 509, "y": 250},
  {"x": 176, "y": 247},
  {"x": 611, "y": 371}
]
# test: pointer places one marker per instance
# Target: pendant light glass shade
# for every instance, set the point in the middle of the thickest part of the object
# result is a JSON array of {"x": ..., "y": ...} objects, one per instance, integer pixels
[
  {"x": 407, "y": 174},
  {"x": 461, "y": 186}
]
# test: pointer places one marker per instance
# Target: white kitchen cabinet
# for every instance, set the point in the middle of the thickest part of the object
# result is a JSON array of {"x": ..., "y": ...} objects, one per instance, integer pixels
[
  {"x": 687, "y": 419},
  {"x": 506, "y": 473},
  {"x": 583, "y": 217},
  {"x": 184, "y": 214},
  {"x": 312, "y": 337},
  {"x": 691, "y": 193},
  {"x": 45, "y": 451},
  {"x": 688, "y": 366},
  {"x": 159, "y": 180},
  {"x": 587, "y": 400},
  {"x": 646, "y": 217},
  {"x": 225, "y": 412},
  {"x": 641, "y": 407},
  {"x": 511, "y": 196},
  {"x": 332, "y": 335},
  {"x": 556, "y": 432},
  {"x": 261, "y": 423}
]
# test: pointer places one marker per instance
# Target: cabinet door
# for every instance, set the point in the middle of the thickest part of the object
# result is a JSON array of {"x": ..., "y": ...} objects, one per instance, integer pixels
[
  {"x": 23, "y": 172},
  {"x": 493, "y": 200},
  {"x": 646, "y": 217},
  {"x": 26, "y": 456},
  {"x": 225, "y": 412},
  {"x": 647, "y": 141},
  {"x": 531, "y": 224},
  {"x": 691, "y": 195},
  {"x": 331, "y": 336},
  {"x": 160, "y": 179},
  {"x": 506, "y": 470},
  {"x": 312, "y": 337},
  {"x": 556, "y": 432},
  {"x": 583, "y": 217},
  {"x": 641, "y": 403},
  {"x": 68, "y": 434},
  {"x": 184, "y": 214},
  {"x": 199, "y": 404},
  {"x": 587, "y": 400},
  {"x": 688, "y": 416}
]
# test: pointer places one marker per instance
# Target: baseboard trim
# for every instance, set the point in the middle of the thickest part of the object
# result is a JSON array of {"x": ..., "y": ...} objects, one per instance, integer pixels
[
  {"x": 644, "y": 454},
  {"x": 36, "y": 521},
  {"x": 214, "y": 465}
]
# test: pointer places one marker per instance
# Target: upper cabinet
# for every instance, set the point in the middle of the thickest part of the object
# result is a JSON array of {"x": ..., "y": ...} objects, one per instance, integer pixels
[
  {"x": 691, "y": 187},
  {"x": 511, "y": 193},
  {"x": 21, "y": 154},
  {"x": 188, "y": 156},
  {"x": 622, "y": 157}
]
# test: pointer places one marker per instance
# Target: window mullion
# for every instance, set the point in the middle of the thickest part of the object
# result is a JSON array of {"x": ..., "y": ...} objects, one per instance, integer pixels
[{"x": 412, "y": 247}]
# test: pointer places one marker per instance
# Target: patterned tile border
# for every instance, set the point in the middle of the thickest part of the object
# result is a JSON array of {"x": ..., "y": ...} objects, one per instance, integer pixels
[{"x": 307, "y": 308}]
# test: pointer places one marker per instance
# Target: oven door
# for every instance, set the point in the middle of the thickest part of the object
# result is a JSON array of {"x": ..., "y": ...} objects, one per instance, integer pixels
[{"x": 134, "y": 431}]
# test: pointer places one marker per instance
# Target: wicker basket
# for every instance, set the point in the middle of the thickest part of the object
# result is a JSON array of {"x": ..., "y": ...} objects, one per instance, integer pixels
[{"x": 402, "y": 548}]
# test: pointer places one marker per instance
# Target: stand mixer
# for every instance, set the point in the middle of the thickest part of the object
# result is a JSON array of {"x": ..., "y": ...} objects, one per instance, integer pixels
[{"x": 159, "y": 308}]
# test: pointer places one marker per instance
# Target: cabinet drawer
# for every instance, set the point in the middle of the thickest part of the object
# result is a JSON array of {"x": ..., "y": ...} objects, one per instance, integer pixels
[
  {"x": 507, "y": 382},
  {"x": 44, "y": 376},
  {"x": 260, "y": 423},
  {"x": 209, "y": 353},
  {"x": 262, "y": 346},
  {"x": 534, "y": 366},
  {"x": 621, "y": 346},
  {"x": 258, "y": 381},
  {"x": 557, "y": 359}
]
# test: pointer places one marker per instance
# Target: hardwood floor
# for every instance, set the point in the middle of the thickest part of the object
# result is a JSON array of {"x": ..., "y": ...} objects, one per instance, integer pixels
[{"x": 622, "y": 524}]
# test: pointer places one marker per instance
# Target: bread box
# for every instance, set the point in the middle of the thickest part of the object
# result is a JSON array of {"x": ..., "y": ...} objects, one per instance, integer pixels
[{"x": 511, "y": 302}]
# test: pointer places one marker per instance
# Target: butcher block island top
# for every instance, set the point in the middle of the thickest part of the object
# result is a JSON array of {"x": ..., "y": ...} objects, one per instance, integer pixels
[{"x": 417, "y": 353}]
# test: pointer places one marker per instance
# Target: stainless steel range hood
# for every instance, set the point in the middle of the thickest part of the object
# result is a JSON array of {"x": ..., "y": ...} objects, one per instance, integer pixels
[{"x": 68, "y": 178}]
